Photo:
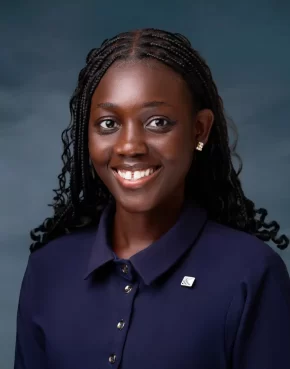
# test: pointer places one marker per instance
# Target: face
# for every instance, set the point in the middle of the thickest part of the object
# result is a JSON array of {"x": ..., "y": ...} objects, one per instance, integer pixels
[{"x": 143, "y": 133}]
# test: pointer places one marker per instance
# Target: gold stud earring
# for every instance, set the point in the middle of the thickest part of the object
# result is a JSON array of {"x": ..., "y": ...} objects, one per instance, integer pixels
[{"x": 199, "y": 146}]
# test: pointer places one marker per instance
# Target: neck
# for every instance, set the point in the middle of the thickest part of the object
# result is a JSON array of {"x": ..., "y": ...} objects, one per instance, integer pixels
[{"x": 134, "y": 232}]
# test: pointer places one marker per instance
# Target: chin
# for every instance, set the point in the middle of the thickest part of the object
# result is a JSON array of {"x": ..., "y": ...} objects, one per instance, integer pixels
[{"x": 137, "y": 204}]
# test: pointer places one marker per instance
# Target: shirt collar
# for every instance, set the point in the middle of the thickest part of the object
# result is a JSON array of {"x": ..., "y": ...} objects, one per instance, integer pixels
[
  {"x": 101, "y": 252},
  {"x": 156, "y": 259}
]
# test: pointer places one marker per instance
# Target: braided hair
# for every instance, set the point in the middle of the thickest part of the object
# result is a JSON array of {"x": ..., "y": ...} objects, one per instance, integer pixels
[{"x": 212, "y": 178}]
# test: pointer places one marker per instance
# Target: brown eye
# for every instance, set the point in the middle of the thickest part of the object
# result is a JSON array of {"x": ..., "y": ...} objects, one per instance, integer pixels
[
  {"x": 158, "y": 123},
  {"x": 108, "y": 125}
]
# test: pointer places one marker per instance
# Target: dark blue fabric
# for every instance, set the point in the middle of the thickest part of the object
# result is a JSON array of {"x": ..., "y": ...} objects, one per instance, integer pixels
[{"x": 81, "y": 307}]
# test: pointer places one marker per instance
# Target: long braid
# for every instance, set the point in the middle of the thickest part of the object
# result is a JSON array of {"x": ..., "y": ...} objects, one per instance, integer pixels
[{"x": 212, "y": 178}]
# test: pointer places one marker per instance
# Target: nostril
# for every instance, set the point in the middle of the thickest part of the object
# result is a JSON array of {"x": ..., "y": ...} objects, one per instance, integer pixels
[{"x": 131, "y": 148}]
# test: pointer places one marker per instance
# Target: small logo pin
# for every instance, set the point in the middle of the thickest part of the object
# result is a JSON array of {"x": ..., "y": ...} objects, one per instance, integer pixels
[{"x": 187, "y": 281}]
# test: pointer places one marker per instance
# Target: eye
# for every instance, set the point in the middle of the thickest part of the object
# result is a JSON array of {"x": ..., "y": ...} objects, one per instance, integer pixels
[
  {"x": 108, "y": 125},
  {"x": 160, "y": 124}
]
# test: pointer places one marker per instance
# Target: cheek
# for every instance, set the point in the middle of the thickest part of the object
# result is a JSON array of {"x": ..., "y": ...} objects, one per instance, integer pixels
[
  {"x": 99, "y": 149},
  {"x": 177, "y": 149}
]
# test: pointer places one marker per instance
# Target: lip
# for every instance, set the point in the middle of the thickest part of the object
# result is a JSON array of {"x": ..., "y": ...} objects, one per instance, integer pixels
[
  {"x": 132, "y": 167},
  {"x": 138, "y": 183}
]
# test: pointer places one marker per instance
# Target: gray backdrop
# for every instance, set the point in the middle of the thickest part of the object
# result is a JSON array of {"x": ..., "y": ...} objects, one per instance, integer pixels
[{"x": 43, "y": 47}]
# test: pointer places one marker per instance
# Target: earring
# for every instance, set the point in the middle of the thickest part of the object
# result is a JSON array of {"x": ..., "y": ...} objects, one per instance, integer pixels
[{"x": 199, "y": 146}]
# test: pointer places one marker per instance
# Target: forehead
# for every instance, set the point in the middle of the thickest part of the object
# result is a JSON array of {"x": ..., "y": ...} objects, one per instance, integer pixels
[{"x": 141, "y": 80}]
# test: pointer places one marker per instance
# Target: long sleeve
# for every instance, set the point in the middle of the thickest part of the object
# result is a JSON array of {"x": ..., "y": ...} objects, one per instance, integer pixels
[
  {"x": 29, "y": 352},
  {"x": 261, "y": 334}
]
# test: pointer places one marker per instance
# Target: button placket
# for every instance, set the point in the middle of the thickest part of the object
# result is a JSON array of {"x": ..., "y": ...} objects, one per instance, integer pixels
[{"x": 127, "y": 293}]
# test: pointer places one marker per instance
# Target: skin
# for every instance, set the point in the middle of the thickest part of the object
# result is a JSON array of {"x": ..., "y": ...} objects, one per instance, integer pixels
[{"x": 162, "y": 135}]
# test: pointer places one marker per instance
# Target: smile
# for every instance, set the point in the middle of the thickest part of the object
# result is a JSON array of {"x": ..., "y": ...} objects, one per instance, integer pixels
[
  {"x": 136, "y": 174},
  {"x": 135, "y": 178}
]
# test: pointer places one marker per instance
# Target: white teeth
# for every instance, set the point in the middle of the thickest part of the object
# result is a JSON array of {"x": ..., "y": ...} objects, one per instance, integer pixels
[{"x": 135, "y": 175}]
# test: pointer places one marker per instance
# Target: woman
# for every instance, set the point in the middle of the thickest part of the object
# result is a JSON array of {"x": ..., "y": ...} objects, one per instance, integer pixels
[{"x": 154, "y": 257}]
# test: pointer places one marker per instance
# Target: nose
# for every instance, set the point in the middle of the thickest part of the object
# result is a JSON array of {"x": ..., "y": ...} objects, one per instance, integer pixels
[{"x": 131, "y": 141}]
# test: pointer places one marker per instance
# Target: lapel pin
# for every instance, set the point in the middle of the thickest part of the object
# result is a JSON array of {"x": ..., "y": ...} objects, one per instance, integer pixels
[{"x": 187, "y": 281}]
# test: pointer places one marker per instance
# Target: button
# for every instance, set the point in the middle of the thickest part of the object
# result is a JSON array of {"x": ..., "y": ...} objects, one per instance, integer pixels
[
  {"x": 112, "y": 358},
  {"x": 125, "y": 269},
  {"x": 121, "y": 324},
  {"x": 128, "y": 289}
]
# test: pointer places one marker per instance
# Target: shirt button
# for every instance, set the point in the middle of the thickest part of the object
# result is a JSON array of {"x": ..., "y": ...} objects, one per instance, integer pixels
[
  {"x": 125, "y": 269},
  {"x": 112, "y": 358},
  {"x": 128, "y": 289},
  {"x": 121, "y": 324}
]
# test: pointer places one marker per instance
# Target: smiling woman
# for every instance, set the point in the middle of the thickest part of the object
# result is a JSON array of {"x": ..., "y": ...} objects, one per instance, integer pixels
[
  {"x": 142, "y": 121},
  {"x": 149, "y": 216}
]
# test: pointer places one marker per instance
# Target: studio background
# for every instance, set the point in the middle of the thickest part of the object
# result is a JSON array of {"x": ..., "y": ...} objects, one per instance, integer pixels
[{"x": 43, "y": 47}]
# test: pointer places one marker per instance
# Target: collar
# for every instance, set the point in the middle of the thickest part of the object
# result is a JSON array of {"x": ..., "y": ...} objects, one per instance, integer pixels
[
  {"x": 101, "y": 252},
  {"x": 161, "y": 255}
]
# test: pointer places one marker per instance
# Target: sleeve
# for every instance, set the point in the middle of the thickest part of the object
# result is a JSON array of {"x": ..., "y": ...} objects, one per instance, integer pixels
[
  {"x": 258, "y": 320},
  {"x": 29, "y": 348}
]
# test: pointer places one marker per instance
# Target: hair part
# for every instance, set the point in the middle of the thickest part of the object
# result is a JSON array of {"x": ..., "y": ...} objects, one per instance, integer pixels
[{"x": 212, "y": 178}]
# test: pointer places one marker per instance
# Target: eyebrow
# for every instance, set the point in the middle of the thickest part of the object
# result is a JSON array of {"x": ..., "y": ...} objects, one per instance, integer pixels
[{"x": 148, "y": 104}]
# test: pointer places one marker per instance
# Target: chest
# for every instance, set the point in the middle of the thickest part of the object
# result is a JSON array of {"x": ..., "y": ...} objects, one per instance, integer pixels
[{"x": 123, "y": 324}]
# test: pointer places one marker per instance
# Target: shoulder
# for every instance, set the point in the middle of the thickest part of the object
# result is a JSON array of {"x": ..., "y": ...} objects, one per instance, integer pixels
[
  {"x": 239, "y": 253},
  {"x": 235, "y": 240},
  {"x": 65, "y": 252}
]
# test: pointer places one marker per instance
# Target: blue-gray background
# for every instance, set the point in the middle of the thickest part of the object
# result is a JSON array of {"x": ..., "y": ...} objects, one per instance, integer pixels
[{"x": 43, "y": 47}]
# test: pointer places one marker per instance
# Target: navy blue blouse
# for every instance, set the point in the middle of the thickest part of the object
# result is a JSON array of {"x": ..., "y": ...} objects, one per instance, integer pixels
[{"x": 203, "y": 296}]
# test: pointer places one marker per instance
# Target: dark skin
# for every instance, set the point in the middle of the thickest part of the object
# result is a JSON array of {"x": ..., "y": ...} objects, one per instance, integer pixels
[{"x": 142, "y": 115}]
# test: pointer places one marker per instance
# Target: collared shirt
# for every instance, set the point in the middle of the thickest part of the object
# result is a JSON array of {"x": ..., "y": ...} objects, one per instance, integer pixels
[{"x": 203, "y": 296}]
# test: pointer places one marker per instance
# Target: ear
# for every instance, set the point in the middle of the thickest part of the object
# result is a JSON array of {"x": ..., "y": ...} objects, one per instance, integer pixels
[{"x": 203, "y": 123}]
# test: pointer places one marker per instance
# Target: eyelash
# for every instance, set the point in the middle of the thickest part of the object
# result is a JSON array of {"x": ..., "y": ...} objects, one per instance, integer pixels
[{"x": 169, "y": 124}]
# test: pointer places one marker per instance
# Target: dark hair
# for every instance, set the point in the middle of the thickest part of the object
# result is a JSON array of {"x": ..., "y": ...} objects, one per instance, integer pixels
[{"x": 212, "y": 180}]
